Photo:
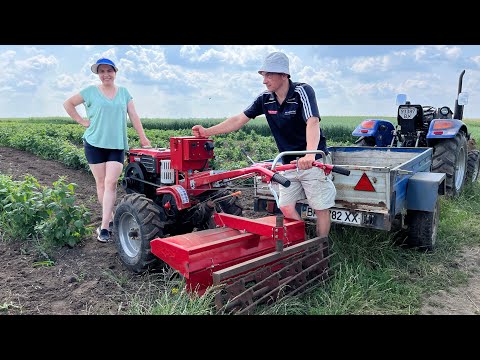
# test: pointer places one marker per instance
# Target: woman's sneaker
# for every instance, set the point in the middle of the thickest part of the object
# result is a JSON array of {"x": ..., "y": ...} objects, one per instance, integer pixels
[{"x": 103, "y": 235}]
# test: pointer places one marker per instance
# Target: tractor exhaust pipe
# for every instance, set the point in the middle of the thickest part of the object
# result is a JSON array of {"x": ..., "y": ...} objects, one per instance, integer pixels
[{"x": 459, "y": 108}]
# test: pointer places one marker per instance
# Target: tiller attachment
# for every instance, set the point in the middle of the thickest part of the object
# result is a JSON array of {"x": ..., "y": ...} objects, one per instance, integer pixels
[
  {"x": 263, "y": 280},
  {"x": 251, "y": 261}
]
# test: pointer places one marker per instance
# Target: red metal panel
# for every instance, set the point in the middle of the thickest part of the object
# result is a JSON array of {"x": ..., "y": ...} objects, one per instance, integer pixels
[
  {"x": 134, "y": 154},
  {"x": 181, "y": 197},
  {"x": 189, "y": 153},
  {"x": 294, "y": 230},
  {"x": 176, "y": 153},
  {"x": 196, "y": 255},
  {"x": 208, "y": 249},
  {"x": 194, "y": 149},
  {"x": 174, "y": 250}
]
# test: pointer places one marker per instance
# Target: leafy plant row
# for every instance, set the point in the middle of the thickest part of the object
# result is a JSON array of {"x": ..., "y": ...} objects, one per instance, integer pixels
[
  {"x": 29, "y": 210},
  {"x": 63, "y": 142}
]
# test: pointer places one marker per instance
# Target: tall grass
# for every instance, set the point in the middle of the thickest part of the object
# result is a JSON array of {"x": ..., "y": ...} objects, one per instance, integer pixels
[
  {"x": 372, "y": 274},
  {"x": 259, "y": 124}
]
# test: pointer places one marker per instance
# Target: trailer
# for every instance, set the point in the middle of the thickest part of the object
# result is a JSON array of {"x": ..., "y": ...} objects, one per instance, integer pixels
[{"x": 389, "y": 188}]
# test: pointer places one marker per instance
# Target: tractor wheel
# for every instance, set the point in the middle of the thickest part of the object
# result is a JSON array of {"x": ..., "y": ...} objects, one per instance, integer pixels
[
  {"x": 209, "y": 224},
  {"x": 136, "y": 171},
  {"x": 450, "y": 157},
  {"x": 136, "y": 223},
  {"x": 230, "y": 206},
  {"x": 422, "y": 227},
  {"x": 473, "y": 166},
  {"x": 365, "y": 141}
]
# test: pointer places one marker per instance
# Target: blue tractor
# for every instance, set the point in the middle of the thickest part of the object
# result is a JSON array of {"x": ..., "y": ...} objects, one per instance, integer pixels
[{"x": 454, "y": 151}]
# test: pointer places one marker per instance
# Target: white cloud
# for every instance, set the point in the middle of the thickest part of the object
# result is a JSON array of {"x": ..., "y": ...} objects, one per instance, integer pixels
[
  {"x": 371, "y": 64},
  {"x": 218, "y": 81},
  {"x": 86, "y": 47}
]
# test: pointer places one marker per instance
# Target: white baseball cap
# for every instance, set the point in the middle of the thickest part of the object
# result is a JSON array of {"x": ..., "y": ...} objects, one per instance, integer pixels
[{"x": 276, "y": 62}]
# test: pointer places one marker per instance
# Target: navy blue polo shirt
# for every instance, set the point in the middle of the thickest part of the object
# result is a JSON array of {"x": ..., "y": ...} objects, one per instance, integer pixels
[{"x": 288, "y": 122}]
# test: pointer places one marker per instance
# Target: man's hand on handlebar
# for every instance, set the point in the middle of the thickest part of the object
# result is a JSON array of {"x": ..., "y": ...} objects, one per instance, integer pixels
[
  {"x": 199, "y": 131},
  {"x": 305, "y": 162}
]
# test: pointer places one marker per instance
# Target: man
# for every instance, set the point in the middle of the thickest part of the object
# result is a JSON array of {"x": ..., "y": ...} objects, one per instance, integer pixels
[{"x": 292, "y": 114}]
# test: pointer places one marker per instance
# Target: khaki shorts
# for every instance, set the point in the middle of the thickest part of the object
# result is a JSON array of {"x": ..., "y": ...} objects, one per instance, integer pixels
[{"x": 311, "y": 184}]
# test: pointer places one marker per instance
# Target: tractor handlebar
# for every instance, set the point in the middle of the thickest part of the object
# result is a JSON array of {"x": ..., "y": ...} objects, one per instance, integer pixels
[
  {"x": 270, "y": 175},
  {"x": 282, "y": 180},
  {"x": 265, "y": 169},
  {"x": 341, "y": 170},
  {"x": 327, "y": 168}
]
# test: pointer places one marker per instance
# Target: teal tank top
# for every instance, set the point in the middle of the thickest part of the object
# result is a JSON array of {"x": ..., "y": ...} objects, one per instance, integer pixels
[{"x": 108, "y": 118}]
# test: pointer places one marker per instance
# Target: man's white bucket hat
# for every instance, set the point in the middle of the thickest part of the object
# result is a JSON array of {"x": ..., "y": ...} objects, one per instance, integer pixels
[{"x": 276, "y": 62}]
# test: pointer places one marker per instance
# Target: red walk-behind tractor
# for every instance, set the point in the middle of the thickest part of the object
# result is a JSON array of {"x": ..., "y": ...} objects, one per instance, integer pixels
[{"x": 178, "y": 212}]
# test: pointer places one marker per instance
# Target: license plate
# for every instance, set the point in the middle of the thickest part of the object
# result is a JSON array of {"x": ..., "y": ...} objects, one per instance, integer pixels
[
  {"x": 336, "y": 215},
  {"x": 407, "y": 113}
]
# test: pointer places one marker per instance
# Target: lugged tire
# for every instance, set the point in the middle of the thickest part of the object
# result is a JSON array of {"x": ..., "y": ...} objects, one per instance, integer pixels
[
  {"x": 366, "y": 141},
  {"x": 473, "y": 166},
  {"x": 135, "y": 170},
  {"x": 422, "y": 228},
  {"x": 450, "y": 157},
  {"x": 136, "y": 223},
  {"x": 231, "y": 206}
]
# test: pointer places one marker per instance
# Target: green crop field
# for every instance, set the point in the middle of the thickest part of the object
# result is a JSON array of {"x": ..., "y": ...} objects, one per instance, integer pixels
[{"x": 373, "y": 274}]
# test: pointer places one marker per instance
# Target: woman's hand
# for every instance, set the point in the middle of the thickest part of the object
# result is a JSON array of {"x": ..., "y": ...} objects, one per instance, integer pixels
[{"x": 145, "y": 142}]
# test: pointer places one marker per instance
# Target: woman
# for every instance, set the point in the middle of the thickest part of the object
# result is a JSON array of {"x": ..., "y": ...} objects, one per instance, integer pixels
[{"x": 105, "y": 138}]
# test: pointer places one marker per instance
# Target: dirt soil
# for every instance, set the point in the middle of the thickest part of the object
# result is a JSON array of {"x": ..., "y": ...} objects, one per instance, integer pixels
[
  {"x": 464, "y": 300},
  {"x": 86, "y": 279},
  {"x": 90, "y": 279}
]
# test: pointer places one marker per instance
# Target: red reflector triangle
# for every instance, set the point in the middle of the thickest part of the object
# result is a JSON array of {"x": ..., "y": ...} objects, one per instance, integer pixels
[{"x": 364, "y": 184}]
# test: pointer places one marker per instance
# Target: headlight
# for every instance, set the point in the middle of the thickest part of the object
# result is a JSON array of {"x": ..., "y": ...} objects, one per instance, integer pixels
[{"x": 444, "y": 110}]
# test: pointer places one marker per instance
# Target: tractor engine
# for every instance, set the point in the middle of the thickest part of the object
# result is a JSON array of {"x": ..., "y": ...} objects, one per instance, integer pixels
[
  {"x": 167, "y": 177},
  {"x": 165, "y": 167}
]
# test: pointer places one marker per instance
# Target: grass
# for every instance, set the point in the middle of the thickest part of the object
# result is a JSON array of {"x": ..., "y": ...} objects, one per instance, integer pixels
[
  {"x": 373, "y": 275},
  {"x": 164, "y": 294},
  {"x": 119, "y": 280},
  {"x": 473, "y": 126},
  {"x": 8, "y": 305}
]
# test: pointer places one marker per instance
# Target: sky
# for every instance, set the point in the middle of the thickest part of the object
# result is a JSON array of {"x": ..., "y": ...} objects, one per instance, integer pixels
[{"x": 218, "y": 81}]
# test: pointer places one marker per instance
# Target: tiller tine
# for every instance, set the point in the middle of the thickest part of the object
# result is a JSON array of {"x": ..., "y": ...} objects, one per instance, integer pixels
[{"x": 265, "y": 279}]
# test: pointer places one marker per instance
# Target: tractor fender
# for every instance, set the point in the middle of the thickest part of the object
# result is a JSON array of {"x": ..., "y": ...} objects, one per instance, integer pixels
[
  {"x": 423, "y": 189},
  {"x": 380, "y": 130},
  {"x": 179, "y": 194},
  {"x": 445, "y": 128}
]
